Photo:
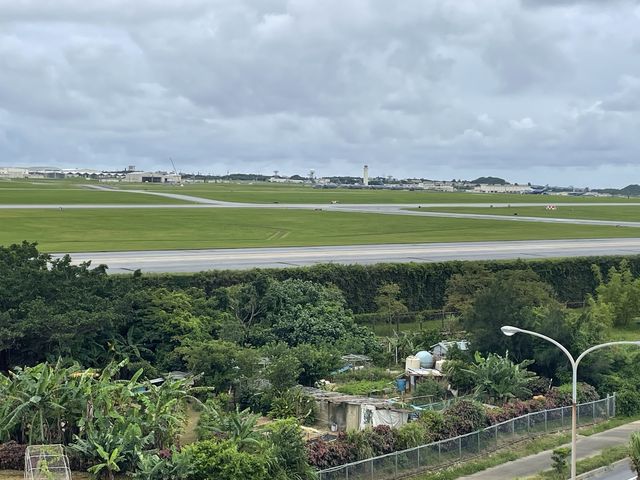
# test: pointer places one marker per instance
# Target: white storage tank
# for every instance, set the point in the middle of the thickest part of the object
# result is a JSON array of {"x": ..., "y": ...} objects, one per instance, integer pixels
[
  {"x": 426, "y": 359},
  {"x": 412, "y": 362}
]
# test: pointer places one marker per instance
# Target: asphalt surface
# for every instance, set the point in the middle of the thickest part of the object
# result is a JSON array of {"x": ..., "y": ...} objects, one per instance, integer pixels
[
  {"x": 586, "y": 447},
  {"x": 246, "y": 258},
  {"x": 622, "y": 471}
]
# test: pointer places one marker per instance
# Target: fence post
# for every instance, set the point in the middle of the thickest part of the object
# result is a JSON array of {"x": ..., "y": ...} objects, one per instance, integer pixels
[
  {"x": 545, "y": 422},
  {"x": 439, "y": 453},
  {"x": 418, "y": 457},
  {"x": 346, "y": 473},
  {"x": 513, "y": 427},
  {"x": 594, "y": 412},
  {"x": 372, "y": 469},
  {"x": 396, "y": 458},
  {"x": 460, "y": 447},
  {"x": 562, "y": 416},
  {"x": 528, "y": 422},
  {"x": 479, "y": 447},
  {"x": 614, "y": 404},
  {"x": 496, "y": 427}
]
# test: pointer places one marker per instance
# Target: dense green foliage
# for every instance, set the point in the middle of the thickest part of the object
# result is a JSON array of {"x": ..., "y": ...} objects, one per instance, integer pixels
[
  {"x": 422, "y": 285},
  {"x": 252, "y": 337},
  {"x": 498, "y": 379},
  {"x": 634, "y": 451}
]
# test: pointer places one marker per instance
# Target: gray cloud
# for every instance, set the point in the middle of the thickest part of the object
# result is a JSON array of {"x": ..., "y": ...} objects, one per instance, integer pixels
[{"x": 453, "y": 88}]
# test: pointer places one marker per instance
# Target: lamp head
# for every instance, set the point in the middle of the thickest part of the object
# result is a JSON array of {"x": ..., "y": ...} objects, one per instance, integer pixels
[{"x": 510, "y": 331}]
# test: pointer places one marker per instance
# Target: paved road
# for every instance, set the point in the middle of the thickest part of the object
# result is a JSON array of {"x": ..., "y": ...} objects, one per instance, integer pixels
[
  {"x": 246, "y": 258},
  {"x": 622, "y": 471},
  {"x": 531, "y": 465}
]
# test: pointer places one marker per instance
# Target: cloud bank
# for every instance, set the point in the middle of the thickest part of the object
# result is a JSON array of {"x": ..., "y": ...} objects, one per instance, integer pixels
[{"x": 532, "y": 90}]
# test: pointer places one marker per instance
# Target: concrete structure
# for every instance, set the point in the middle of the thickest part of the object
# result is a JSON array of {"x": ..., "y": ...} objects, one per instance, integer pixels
[
  {"x": 341, "y": 412},
  {"x": 285, "y": 180},
  {"x": 508, "y": 188},
  {"x": 152, "y": 177},
  {"x": 46, "y": 172},
  {"x": 14, "y": 172},
  {"x": 365, "y": 175}
]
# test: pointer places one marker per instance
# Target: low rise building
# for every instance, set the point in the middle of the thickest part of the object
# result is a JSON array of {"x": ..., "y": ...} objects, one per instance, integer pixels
[
  {"x": 14, "y": 172},
  {"x": 507, "y": 188},
  {"x": 152, "y": 177}
]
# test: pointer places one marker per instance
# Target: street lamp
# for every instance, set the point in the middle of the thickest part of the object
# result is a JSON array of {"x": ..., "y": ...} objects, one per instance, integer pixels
[{"x": 509, "y": 331}]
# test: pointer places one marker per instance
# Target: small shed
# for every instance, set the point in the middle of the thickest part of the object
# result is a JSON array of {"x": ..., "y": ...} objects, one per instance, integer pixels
[
  {"x": 415, "y": 375},
  {"x": 440, "y": 349},
  {"x": 349, "y": 412}
]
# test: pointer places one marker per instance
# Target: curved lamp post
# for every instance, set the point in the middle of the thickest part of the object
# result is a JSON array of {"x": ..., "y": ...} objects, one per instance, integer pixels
[{"x": 510, "y": 331}]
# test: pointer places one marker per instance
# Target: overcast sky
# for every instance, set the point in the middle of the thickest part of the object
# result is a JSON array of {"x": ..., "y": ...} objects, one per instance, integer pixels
[{"x": 532, "y": 90}]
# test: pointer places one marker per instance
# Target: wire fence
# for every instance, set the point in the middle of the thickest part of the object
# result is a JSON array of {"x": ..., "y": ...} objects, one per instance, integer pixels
[{"x": 445, "y": 452}]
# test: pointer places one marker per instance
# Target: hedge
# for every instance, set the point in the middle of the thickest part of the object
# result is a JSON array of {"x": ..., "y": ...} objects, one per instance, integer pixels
[{"x": 423, "y": 285}]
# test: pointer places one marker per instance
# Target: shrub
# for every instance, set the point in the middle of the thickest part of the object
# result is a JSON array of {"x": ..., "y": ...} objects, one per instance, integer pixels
[
  {"x": 288, "y": 450},
  {"x": 294, "y": 403},
  {"x": 383, "y": 439},
  {"x": 434, "y": 425},
  {"x": 322, "y": 454},
  {"x": 163, "y": 465},
  {"x": 12, "y": 456},
  {"x": 465, "y": 417},
  {"x": 459, "y": 375},
  {"x": 368, "y": 373},
  {"x": 363, "y": 387},
  {"x": 223, "y": 461},
  {"x": 628, "y": 401},
  {"x": 559, "y": 460},
  {"x": 584, "y": 391},
  {"x": 540, "y": 385},
  {"x": 430, "y": 388},
  {"x": 411, "y": 435},
  {"x": 634, "y": 451},
  {"x": 359, "y": 444}
]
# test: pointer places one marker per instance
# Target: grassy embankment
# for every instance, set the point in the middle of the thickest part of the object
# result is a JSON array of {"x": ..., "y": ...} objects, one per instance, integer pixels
[
  {"x": 623, "y": 213},
  {"x": 67, "y": 193},
  {"x": 139, "y": 229}
]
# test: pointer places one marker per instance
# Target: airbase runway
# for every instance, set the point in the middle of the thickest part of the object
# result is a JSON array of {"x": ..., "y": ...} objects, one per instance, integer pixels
[{"x": 246, "y": 258}]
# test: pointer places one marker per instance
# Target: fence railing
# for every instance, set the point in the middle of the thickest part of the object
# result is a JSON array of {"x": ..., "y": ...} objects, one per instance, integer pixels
[{"x": 445, "y": 452}]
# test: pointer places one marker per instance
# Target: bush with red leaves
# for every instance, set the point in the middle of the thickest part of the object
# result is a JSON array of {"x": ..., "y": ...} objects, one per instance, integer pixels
[
  {"x": 464, "y": 417},
  {"x": 383, "y": 439},
  {"x": 12, "y": 456}
]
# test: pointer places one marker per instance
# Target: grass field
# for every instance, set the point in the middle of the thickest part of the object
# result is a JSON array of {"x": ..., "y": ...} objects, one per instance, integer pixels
[
  {"x": 612, "y": 212},
  {"x": 270, "y": 193},
  {"x": 75, "y": 196},
  {"x": 142, "y": 229}
]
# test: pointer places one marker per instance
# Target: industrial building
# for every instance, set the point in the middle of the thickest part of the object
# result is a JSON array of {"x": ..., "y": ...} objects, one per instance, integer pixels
[
  {"x": 14, "y": 172},
  {"x": 152, "y": 177}
]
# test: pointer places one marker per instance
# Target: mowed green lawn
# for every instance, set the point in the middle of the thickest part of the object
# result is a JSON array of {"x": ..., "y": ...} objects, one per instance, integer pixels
[
  {"x": 609, "y": 212},
  {"x": 270, "y": 193},
  {"x": 140, "y": 229},
  {"x": 70, "y": 195}
]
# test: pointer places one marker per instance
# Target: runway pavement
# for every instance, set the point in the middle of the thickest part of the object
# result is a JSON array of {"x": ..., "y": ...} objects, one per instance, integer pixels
[{"x": 246, "y": 258}]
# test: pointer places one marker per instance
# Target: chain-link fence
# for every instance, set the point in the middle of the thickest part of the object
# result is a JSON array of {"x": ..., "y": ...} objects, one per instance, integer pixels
[{"x": 445, "y": 452}]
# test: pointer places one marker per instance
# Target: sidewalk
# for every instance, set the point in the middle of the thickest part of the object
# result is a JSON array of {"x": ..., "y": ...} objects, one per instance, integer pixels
[{"x": 586, "y": 447}]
